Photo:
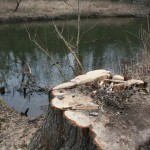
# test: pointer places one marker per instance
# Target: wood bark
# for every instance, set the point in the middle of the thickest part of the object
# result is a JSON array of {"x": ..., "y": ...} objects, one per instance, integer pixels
[
  {"x": 58, "y": 133},
  {"x": 50, "y": 135}
]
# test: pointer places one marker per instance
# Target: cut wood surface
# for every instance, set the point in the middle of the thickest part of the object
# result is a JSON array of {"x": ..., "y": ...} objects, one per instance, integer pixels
[
  {"x": 73, "y": 99},
  {"x": 116, "y": 122},
  {"x": 86, "y": 78}
]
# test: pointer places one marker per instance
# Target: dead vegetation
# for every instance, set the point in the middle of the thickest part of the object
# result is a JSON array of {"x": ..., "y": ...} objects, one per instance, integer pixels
[
  {"x": 139, "y": 66},
  {"x": 46, "y": 10}
]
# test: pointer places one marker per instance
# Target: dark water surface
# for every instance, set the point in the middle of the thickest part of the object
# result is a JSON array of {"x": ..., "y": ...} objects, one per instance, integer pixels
[{"x": 103, "y": 46}]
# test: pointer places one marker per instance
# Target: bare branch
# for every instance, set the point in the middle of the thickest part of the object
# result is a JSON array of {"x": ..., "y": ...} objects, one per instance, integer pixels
[
  {"x": 46, "y": 52},
  {"x": 68, "y": 45},
  {"x": 17, "y": 6},
  {"x": 89, "y": 29},
  {"x": 78, "y": 27},
  {"x": 69, "y": 4}
]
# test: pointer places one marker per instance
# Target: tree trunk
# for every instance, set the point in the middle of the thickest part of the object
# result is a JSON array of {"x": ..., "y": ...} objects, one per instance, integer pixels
[
  {"x": 57, "y": 133},
  {"x": 50, "y": 135},
  {"x": 17, "y": 6}
]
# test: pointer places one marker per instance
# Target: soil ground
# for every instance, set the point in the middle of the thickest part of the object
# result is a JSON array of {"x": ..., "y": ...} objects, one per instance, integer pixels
[
  {"x": 39, "y": 10},
  {"x": 16, "y": 130}
]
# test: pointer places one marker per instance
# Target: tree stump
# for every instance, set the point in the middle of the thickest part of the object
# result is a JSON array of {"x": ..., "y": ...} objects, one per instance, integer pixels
[{"x": 88, "y": 113}]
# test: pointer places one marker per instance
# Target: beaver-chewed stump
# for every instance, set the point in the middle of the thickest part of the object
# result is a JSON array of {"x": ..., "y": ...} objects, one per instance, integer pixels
[{"x": 97, "y": 110}]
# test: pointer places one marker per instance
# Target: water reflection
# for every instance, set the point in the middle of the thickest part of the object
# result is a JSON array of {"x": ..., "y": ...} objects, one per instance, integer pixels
[{"x": 102, "y": 47}]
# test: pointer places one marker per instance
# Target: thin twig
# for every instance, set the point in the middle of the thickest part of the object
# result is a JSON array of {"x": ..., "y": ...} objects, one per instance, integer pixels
[
  {"x": 78, "y": 27},
  {"x": 68, "y": 45},
  {"x": 46, "y": 52}
]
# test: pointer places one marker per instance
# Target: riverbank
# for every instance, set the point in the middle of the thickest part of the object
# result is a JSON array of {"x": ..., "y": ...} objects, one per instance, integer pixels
[
  {"x": 16, "y": 130},
  {"x": 39, "y": 10}
]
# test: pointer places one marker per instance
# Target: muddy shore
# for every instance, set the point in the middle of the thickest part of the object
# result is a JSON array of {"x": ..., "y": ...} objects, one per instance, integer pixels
[{"x": 38, "y": 10}]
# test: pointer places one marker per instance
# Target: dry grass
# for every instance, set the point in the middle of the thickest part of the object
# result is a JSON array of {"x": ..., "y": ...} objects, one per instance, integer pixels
[
  {"x": 139, "y": 66},
  {"x": 49, "y": 9}
]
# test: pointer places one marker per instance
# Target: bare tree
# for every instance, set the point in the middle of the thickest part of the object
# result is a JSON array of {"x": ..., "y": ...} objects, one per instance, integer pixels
[{"x": 17, "y": 6}]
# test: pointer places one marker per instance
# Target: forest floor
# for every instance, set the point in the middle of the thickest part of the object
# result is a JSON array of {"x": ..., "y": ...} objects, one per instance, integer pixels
[
  {"x": 16, "y": 130},
  {"x": 40, "y": 10}
]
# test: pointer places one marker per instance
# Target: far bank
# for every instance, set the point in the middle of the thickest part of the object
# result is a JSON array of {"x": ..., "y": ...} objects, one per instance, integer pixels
[{"x": 40, "y": 10}]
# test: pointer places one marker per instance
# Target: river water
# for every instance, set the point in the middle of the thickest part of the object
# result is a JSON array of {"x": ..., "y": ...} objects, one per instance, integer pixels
[{"x": 104, "y": 44}]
